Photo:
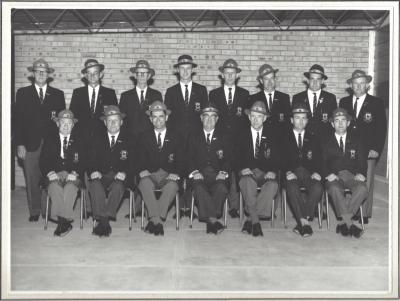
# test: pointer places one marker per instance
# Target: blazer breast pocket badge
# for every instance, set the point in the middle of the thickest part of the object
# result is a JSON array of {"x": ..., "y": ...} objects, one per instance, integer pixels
[
  {"x": 368, "y": 117},
  {"x": 352, "y": 154},
  {"x": 53, "y": 114},
  {"x": 171, "y": 158},
  {"x": 197, "y": 106},
  {"x": 281, "y": 117},
  {"x": 239, "y": 111},
  {"x": 309, "y": 155},
  {"x": 76, "y": 158},
  {"x": 124, "y": 155},
  {"x": 324, "y": 117},
  {"x": 220, "y": 154},
  {"x": 268, "y": 153}
]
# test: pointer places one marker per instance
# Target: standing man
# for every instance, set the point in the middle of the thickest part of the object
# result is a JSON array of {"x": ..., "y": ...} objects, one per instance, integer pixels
[
  {"x": 36, "y": 105},
  {"x": 320, "y": 103},
  {"x": 210, "y": 163},
  {"x": 160, "y": 165},
  {"x": 258, "y": 167},
  {"x": 231, "y": 101},
  {"x": 345, "y": 166},
  {"x": 369, "y": 123},
  {"x": 185, "y": 100},
  {"x": 302, "y": 167}
]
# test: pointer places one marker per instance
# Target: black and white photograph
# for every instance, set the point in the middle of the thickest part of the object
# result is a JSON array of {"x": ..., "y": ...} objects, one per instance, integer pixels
[{"x": 199, "y": 150}]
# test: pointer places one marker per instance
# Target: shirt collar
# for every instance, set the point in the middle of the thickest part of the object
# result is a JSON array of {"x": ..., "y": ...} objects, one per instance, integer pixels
[
  {"x": 138, "y": 90},
  {"x": 163, "y": 132},
  {"x": 311, "y": 93},
  {"x": 297, "y": 133},
  {"x": 211, "y": 133},
  {"x": 255, "y": 132},
  {"x": 338, "y": 137},
  {"x": 360, "y": 99},
  {"x": 44, "y": 88},
  {"x": 189, "y": 85},
  {"x": 272, "y": 94},
  {"x": 95, "y": 88},
  {"x": 62, "y": 136},
  {"x": 115, "y": 136}
]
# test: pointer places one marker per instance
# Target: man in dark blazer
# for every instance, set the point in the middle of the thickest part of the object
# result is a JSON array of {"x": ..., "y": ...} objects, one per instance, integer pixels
[
  {"x": 302, "y": 168},
  {"x": 62, "y": 163},
  {"x": 258, "y": 167},
  {"x": 369, "y": 123},
  {"x": 344, "y": 165},
  {"x": 109, "y": 168},
  {"x": 159, "y": 166},
  {"x": 319, "y": 102},
  {"x": 210, "y": 162},
  {"x": 36, "y": 105},
  {"x": 186, "y": 99},
  {"x": 231, "y": 101}
]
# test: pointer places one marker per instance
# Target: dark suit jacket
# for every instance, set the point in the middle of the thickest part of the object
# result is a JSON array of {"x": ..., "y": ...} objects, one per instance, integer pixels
[
  {"x": 308, "y": 157},
  {"x": 231, "y": 119},
  {"x": 218, "y": 154},
  {"x": 75, "y": 157},
  {"x": 184, "y": 118},
  {"x": 136, "y": 120},
  {"x": 319, "y": 123},
  {"x": 371, "y": 124},
  {"x": 33, "y": 121},
  {"x": 169, "y": 158},
  {"x": 268, "y": 159},
  {"x": 354, "y": 159}
]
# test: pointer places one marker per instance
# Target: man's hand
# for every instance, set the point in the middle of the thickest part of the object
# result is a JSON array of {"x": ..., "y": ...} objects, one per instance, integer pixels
[
  {"x": 72, "y": 177},
  {"x": 270, "y": 175},
  {"x": 332, "y": 177},
  {"x": 198, "y": 176},
  {"x": 359, "y": 177},
  {"x": 53, "y": 176},
  {"x": 172, "y": 177},
  {"x": 316, "y": 176},
  {"x": 120, "y": 176},
  {"x": 290, "y": 176},
  {"x": 246, "y": 172},
  {"x": 95, "y": 175},
  {"x": 221, "y": 176},
  {"x": 373, "y": 154},
  {"x": 21, "y": 152},
  {"x": 144, "y": 173}
]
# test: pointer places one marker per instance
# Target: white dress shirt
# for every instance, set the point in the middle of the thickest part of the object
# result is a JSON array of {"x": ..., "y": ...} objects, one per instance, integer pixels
[
  {"x": 254, "y": 135},
  {"x": 226, "y": 90},
  {"x": 211, "y": 134},
  {"x": 90, "y": 91},
  {"x": 267, "y": 97},
  {"x": 62, "y": 143},
  {"x": 138, "y": 91},
  {"x": 343, "y": 138},
  {"x": 183, "y": 89},
  {"x": 44, "y": 88},
  {"x": 310, "y": 95},
  {"x": 360, "y": 103},
  {"x": 115, "y": 137},
  {"x": 296, "y": 135},
  {"x": 163, "y": 132}
]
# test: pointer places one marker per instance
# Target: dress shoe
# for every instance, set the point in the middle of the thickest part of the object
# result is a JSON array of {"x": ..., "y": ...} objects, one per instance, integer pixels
[
  {"x": 99, "y": 230},
  {"x": 218, "y": 227},
  {"x": 158, "y": 230},
  {"x": 264, "y": 218},
  {"x": 307, "y": 231},
  {"x": 34, "y": 218},
  {"x": 210, "y": 228},
  {"x": 298, "y": 230},
  {"x": 58, "y": 230},
  {"x": 65, "y": 229},
  {"x": 234, "y": 213},
  {"x": 342, "y": 229},
  {"x": 310, "y": 218},
  {"x": 112, "y": 218},
  {"x": 256, "y": 229},
  {"x": 150, "y": 227},
  {"x": 355, "y": 231},
  {"x": 355, "y": 217},
  {"x": 247, "y": 227}
]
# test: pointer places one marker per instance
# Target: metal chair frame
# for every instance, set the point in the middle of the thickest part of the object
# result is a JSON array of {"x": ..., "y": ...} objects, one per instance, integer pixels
[{"x": 225, "y": 212}]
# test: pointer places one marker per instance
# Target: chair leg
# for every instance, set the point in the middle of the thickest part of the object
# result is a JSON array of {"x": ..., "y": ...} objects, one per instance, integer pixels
[
  {"x": 319, "y": 216},
  {"x": 225, "y": 213},
  {"x": 130, "y": 209},
  {"x": 284, "y": 205},
  {"x": 327, "y": 208},
  {"x": 134, "y": 206},
  {"x": 362, "y": 218},
  {"x": 47, "y": 212},
  {"x": 191, "y": 212},
  {"x": 177, "y": 210},
  {"x": 272, "y": 213},
  {"x": 142, "y": 219},
  {"x": 240, "y": 207},
  {"x": 82, "y": 203}
]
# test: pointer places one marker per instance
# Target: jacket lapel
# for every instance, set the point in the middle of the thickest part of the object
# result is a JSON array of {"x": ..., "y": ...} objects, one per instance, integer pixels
[
  {"x": 99, "y": 101},
  {"x": 362, "y": 110}
]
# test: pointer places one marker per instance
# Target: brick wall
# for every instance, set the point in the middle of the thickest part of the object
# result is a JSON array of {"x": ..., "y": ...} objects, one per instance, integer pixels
[{"x": 340, "y": 52}]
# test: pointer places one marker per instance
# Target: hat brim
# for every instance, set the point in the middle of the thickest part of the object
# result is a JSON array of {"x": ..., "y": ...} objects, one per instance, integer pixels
[
  {"x": 185, "y": 63},
  {"x": 55, "y": 119},
  {"x": 307, "y": 74},
  {"x": 152, "y": 72},
  {"x": 49, "y": 70},
  {"x": 368, "y": 77},
  {"x": 167, "y": 112},
  {"x": 97, "y": 65},
  {"x": 221, "y": 69},
  {"x": 266, "y": 73},
  {"x": 122, "y": 115},
  {"x": 248, "y": 111}
]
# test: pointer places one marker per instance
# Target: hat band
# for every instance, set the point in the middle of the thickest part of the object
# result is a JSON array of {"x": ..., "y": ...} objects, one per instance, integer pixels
[
  {"x": 316, "y": 71},
  {"x": 185, "y": 61}
]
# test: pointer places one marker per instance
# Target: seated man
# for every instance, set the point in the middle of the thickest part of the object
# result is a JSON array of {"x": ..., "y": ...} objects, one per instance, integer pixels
[
  {"x": 62, "y": 162},
  {"x": 108, "y": 170},
  {"x": 345, "y": 166},
  {"x": 210, "y": 164},
  {"x": 159, "y": 166},
  {"x": 302, "y": 163},
  {"x": 257, "y": 159}
]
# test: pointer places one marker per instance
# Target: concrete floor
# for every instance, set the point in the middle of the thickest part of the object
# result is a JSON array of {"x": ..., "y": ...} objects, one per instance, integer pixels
[{"x": 191, "y": 260}]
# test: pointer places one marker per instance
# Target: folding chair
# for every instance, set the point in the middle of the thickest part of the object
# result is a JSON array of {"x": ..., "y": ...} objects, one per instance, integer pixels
[{"x": 225, "y": 212}]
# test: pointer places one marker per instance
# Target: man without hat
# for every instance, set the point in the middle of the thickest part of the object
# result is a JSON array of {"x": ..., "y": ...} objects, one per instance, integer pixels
[
  {"x": 231, "y": 101},
  {"x": 110, "y": 168},
  {"x": 369, "y": 123},
  {"x": 302, "y": 169},
  {"x": 210, "y": 162},
  {"x": 159, "y": 166},
  {"x": 257, "y": 159},
  {"x": 186, "y": 99},
  {"x": 36, "y": 105},
  {"x": 345, "y": 166},
  {"x": 319, "y": 102},
  {"x": 62, "y": 162}
]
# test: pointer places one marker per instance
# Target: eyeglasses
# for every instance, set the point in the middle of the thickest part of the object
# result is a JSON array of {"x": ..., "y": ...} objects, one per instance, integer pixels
[{"x": 141, "y": 73}]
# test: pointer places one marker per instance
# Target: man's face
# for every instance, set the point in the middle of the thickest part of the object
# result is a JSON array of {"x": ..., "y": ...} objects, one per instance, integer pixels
[
  {"x": 65, "y": 126},
  {"x": 230, "y": 76},
  {"x": 185, "y": 72},
  {"x": 257, "y": 120},
  {"x": 359, "y": 86},
  {"x": 315, "y": 82},
  {"x": 113, "y": 123},
  {"x": 158, "y": 119},
  {"x": 40, "y": 74},
  {"x": 268, "y": 81},
  {"x": 299, "y": 121},
  {"x": 142, "y": 76},
  {"x": 93, "y": 75},
  {"x": 340, "y": 124},
  {"x": 209, "y": 120}
]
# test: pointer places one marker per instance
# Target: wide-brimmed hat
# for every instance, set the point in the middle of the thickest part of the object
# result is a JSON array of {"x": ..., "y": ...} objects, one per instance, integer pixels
[
  {"x": 266, "y": 69},
  {"x": 143, "y": 64},
  {"x": 358, "y": 74},
  {"x": 40, "y": 63},
  {"x": 158, "y": 106},
  {"x": 185, "y": 59},
  {"x": 230, "y": 63},
  {"x": 300, "y": 107},
  {"x": 110, "y": 111},
  {"x": 210, "y": 108},
  {"x": 317, "y": 69},
  {"x": 340, "y": 112},
  {"x": 92, "y": 63},
  {"x": 258, "y": 107},
  {"x": 65, "y": 114}
]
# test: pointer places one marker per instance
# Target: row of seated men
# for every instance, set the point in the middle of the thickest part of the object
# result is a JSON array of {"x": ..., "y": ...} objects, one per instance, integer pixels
[{"x": 185, "y": 102}]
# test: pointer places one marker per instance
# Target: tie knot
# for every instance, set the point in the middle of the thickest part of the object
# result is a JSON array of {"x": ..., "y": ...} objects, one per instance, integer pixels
[
  {"x": 186, "y": 86},
  {"x": 141, "y": 91},
  {"x": 357, "y": 98},
  {"x": 230, "y": 89},
  {"x": 270, "y": 94}
]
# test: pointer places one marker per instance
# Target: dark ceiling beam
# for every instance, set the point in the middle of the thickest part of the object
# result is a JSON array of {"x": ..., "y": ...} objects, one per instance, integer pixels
[
  {"x": 33, "y": 20},
  {"x": 275, "y": 19},
  {"x": 341, "y": 18},
  {"x": 383, "y": 19},
  {"x": 216, "y": 17},
  {"x": 178, "y": 19},
  {"x": 198, "y": 20},
  {"x": 14, "y": 11},
  {"x": 324, "y": 20},
  {"x": 104, "y": 20},
  {"x": 293, "y": 19},
  {"x": 246, "y": 19},
  {"x": 370, "y": 19},
  {"x": 56, "y": 21},
  {"x": 130, "y": 20},
  {"x": 84, "y": 21},
  {"x": 151, "y": 20},
  {"x": 226, "y": 19}
]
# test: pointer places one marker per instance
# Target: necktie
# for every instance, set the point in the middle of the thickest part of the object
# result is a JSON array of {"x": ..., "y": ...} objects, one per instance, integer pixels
[
  {"x": 159, "y": 145},
  {"x": 270, "y": 101},
  {"x": 300, "y": 142},
  {"x": 112, "y": 141},
  {"x": 341, "y": 144},
  {"x": 41, "y": 95},
  {"x": 355, "y": 107},
  {"x": 186, "y": 95},
  {"x": 230, "y": 96},
  {"x": 257, "y": 150},
  {"x": 314, "y": 103},
  {"x": 92, "y": 101},
  {"x": 208, "y": 139},
  {"x": 65, "y": 144},
  {"x": 141, "y": 96}
]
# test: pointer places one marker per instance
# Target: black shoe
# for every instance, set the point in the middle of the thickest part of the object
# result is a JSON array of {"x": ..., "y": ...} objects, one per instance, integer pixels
[
  {"x": 310, "y": 218},
  {"x": 234, "y": 213},
  {"x": 342, "y": 229},
  {"x": 247, "y": 227},
  {"x": 34, "y": 218},
  {"x": 307, "y": 231},
  {"x": 158, "y": 230},
  {"x": 107, "y": 229},
  {"x": 339, "y": 219},
  {"x": 112, "y": 218},
  {"x": 65, "y": 229},
  {"x": 210, "y": 228},
  {"x": 365, "y": 218},
  {"x": 256, "y": 229},
  {"x": 355, "y": 217},
  {"x": 264, "y": 218},
  {"x": 99, "y": 230},
  {"x": 355, "y": 231},
  {"x": 58, "y": 230},
  {"x": 150, "y": 227},
  {"x": 218, "y": 227},
  {"x": 298, "y": 230}
]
